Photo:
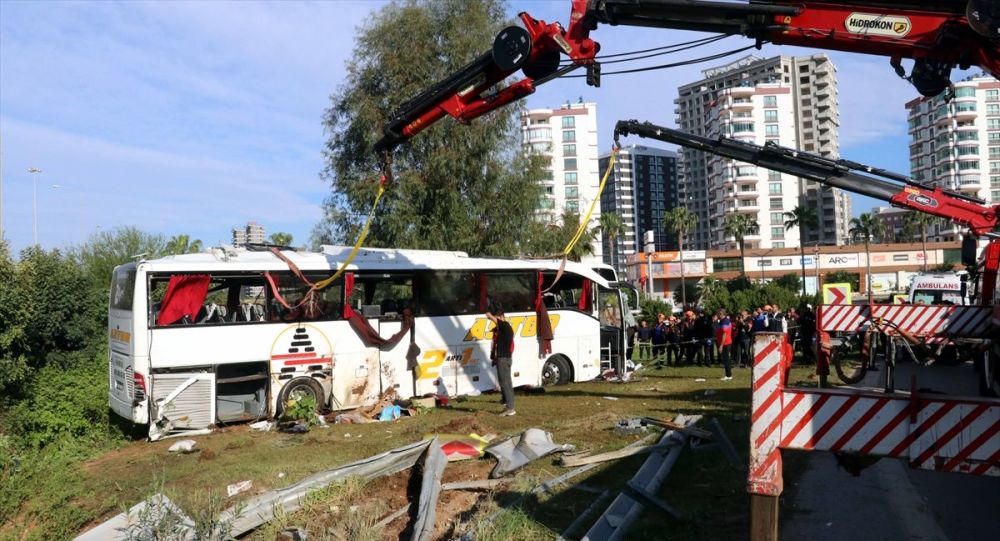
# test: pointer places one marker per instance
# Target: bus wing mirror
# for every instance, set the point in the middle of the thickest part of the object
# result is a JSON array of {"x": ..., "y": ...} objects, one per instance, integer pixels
[{"x": 969, "y": 249}]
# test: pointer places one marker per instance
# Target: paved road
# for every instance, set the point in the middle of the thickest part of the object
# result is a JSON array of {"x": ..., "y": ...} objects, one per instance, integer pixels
[{"x": 889, "y": 501}]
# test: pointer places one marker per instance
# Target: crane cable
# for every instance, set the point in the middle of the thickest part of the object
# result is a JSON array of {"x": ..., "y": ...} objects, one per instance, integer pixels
[
  {"x": 585, "y": 220},
  {"x": 383, "y": 180}
]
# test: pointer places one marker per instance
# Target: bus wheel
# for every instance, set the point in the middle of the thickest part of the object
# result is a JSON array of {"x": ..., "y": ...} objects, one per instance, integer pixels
[
  {"x": 298, "y": 388},
  {"x": 555, "y": 371}
]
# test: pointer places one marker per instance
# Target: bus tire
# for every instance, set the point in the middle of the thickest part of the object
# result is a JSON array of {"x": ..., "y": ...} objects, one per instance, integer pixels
[
  {"x": 556, "y": 371},
  {"x": 300, "y": 387}
]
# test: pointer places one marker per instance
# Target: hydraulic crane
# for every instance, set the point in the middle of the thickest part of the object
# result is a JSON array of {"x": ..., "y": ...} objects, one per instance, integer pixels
[
  {"x": 938, "y": 35},
  {"x": 899, "y": 190}
]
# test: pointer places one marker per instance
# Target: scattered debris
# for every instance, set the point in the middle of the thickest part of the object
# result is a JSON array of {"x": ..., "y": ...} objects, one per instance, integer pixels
[
  {"x": 291, "y": 534},
  {"x": 725, "y": 444},
  {"x": 629, "y": 427},
  {"x": 430, "y": 489},
  {"x": 461, "y": 446},
  {"x": 584, "y": 516},
  {"x": 530, "y": 445},
  {"x": 699, "y": 380},
  {"x": 294, "y": 427},
  {"x": 236, "y": 488},
  {"x": 689, "y": 430},
  {"x": 625, "y": 509},
  {"x": 547, "y": 486},
  {"x": 425, "y": 403},
  {"x": 261, "y": 426},
  {"x": 481, "y": 484},
  {"x": 321, "y": 421},
  {"x": 387, "y": 520},
  {"x": 262, "y": 508},
  {"x": 390, "y": 413},
  {"x": 138, "y": 521},
  {"x": 183, "y": 446},
  {"x": 709, "y": 392},
  {"x": 573, "y": 461},
  {"x": 609, "y": 398},
  {"x": 351, "y": 418}
]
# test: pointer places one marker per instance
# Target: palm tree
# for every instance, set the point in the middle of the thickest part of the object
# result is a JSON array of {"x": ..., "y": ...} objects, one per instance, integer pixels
[
  {"x": 612, "y": 227},
  {"x": 568, "y": 228},
  {"x": 182, "y": 244},
  {"x": 680, "y": 220},
  {"x": 919, "y": 221},
  {"x": 739, "y": 226},
  {"x": 709, "y": 287},
  {"x": 280, "y": 239},
  {"x": 802, "y": 218},
  {"x": 867, "y": 227}
]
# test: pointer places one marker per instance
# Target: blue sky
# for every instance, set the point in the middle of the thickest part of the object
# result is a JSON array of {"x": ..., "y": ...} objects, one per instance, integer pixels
[{"x": 194, "y": 117}]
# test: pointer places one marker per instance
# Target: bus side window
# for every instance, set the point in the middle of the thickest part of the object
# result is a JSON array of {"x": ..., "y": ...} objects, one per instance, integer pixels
[
  {"x": 514, "y": 290},
  {"x": 386, "y": 294},
  {"x": 448, "y": 293}
]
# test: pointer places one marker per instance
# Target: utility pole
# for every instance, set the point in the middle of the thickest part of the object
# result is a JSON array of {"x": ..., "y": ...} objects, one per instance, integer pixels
[{"x": 34, "y": 203}]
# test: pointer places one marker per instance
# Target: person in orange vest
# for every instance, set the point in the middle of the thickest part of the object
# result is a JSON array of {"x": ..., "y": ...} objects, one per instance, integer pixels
[{"x": 724, "y": 339}]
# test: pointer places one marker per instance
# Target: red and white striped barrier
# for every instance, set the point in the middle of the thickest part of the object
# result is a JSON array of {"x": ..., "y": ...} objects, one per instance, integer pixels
[
  {"x": 916, "y": 319},
  {"x": 933, "y": 432}
]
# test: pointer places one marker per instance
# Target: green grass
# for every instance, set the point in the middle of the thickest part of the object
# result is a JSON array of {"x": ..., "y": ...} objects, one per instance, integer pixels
[{"x": 71, "y": 494}]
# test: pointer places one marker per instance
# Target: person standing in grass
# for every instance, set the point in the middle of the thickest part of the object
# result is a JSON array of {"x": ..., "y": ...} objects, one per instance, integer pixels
[
  {"x": 724, "y": 339},
  {"x": 503, "y": 340}
]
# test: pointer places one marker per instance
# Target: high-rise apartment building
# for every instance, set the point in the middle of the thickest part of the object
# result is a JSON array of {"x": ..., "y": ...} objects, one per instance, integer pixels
[
  {"x": 642, "y": 187},
  {"x": 955, "y": 144},
  {"x": 790, "y": 100},
  {"x": 568, "y": 137},
  {"x": 252, "y": 233}
]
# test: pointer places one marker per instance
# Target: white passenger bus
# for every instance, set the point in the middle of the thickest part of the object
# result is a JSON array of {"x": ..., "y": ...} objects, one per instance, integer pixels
[{"x": 229, "y": 335}]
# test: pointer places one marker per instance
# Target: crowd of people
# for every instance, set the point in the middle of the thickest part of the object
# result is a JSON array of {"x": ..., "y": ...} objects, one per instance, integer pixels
[{"x": 699, "y": 338}]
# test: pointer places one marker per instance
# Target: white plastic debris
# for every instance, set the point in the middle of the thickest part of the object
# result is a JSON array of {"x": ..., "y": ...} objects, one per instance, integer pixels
[
  {"x": 183, "y": 446},
  {"x": 699, "y": 379},
  {"x": 261, "y": 426},
  {"x": 236, "y": 488},
  {"x": 321, "y": 421},
  {"x": 609, "y": 398}
]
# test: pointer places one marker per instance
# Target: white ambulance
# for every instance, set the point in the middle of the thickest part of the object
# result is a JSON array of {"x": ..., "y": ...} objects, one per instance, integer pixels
[{"x": 939, "y": 288}]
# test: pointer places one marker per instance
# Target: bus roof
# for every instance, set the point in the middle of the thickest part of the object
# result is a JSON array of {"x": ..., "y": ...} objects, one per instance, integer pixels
[{"x": 368, "y": 259}]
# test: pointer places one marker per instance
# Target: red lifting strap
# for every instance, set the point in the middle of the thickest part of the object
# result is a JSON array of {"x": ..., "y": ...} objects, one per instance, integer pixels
[
  {"x": 184, "y": 297},
  {"x": 542, "y": 322}
]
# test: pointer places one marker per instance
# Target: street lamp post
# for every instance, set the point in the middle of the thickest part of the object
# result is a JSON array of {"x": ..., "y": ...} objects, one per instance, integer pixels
[{"x": 34, "y": 203}]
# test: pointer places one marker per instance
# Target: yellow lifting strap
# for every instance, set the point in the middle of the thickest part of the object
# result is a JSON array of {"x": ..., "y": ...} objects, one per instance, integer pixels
[
  {"x": 586, "y": 218},
  {"x": 361, "y": 239}
]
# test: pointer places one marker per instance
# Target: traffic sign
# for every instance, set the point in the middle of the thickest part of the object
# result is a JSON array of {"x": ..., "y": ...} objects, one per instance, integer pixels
[{"x": 837, "y": 293}]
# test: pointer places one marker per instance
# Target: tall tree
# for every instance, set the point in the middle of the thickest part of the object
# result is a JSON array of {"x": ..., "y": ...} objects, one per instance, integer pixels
[
  {"x": 739, "y": 226},
  {"x": 460, "y": 187},
  {"x": 919, "y": 222},
  {"x": 612, "y": 227},
  {"x": 182, "y": 244},
  {"x": 867, "y": 228},
  {"x": 680, "y": 220},
  {"x": 803, "y": 218},
  {"x": 105, "y": 250},
  {"x": 280, "y": 238}
]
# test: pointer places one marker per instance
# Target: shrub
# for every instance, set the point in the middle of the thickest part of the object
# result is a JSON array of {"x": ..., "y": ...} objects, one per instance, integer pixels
[{"x": 70, "y": 401}]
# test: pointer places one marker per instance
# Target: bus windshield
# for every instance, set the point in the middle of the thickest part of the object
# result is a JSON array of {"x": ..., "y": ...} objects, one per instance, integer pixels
[{"x": 123, "y": 287}]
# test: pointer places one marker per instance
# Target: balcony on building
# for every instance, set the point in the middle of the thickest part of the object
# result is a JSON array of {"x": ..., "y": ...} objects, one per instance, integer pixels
[
  {"x": 741, "y": 91},
  {"x": 740, "y": 104}
]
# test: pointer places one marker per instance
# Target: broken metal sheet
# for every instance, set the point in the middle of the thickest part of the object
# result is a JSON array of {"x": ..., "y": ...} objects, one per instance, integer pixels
[
  {"x": 613, "y": 524},
  {"x": 430, "y": 489},
  {"x": 138, "y": 522},
  {"x": 547, "y": 486},
  {"x": 516, "y": 452},
  {"x": 262, "y": 508}
]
